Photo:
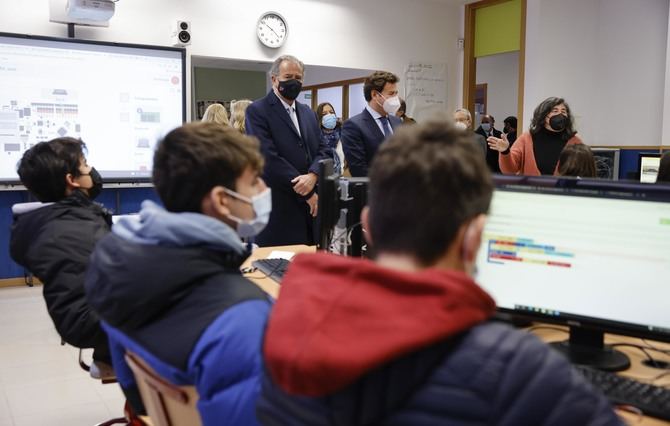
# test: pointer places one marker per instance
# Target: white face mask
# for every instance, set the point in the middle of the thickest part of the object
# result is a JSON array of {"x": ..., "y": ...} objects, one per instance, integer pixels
[
  {"x": 262, "y": 206},
  {"x": 460, "y": 125},
  {"x": 391, "y": 105}
]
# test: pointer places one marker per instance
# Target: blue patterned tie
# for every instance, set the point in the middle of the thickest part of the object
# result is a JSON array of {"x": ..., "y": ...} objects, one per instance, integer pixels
[{"x": 385, "y": 125}]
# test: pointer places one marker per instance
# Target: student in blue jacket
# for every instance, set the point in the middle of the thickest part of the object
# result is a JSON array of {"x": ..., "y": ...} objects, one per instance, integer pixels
[{"x": 167, "y": 283}]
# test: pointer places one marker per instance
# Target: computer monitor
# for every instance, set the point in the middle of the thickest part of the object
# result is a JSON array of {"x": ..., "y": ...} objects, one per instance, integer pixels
[
  {"x": 120, "y": 99},
  {"x": 648, "y": 164},
  {"x": 607, "y": 162},
  {"x": 593, "y": 255},
  {"x": 341, "y": 200}
]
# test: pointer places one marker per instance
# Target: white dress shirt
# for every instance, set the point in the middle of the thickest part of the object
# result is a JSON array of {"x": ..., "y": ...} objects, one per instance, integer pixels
[
  {"x": 290, "y": 110},
  {"x": 377, "y": 117}
]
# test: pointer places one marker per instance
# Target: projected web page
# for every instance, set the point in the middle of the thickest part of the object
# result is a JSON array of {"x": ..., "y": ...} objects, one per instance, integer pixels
[
  {"x": 118, "y": 100},
  {"x": 596, "y": 257}
]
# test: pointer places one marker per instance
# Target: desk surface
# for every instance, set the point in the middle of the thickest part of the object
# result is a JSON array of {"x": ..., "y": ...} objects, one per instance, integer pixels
[
  {"x": 548, "y": 333},
  {"x": 269, "y": 285}
]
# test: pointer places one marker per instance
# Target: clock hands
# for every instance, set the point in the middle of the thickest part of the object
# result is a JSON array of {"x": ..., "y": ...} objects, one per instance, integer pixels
[{"x": 271, "y": 29}]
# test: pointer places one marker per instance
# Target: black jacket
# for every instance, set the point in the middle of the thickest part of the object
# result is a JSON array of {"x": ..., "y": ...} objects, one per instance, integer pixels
[
  {"x": 491, "y": 154},
  {"x": 288, "y": 154},
  {"x": 54, "y": 242}
]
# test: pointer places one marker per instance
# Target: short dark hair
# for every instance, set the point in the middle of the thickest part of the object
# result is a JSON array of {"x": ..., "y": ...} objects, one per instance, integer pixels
[
  {"x": 511, "y": 120},
  {"x": 577, "y": 160},
  {"x": 541, "y": 112},
  {"x": 664, "y": 168},
  {"x": 376, "y": 81},
  {"x": 196, "y": 157},
  {"x": 43, "y": 168},
  {"x": 403, "y": 106},
  {"x": 426, "y": 182}
]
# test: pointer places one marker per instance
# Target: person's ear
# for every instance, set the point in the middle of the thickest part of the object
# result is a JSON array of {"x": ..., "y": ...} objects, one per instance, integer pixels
[
  {"x": 71, "y": 182},
  {"x": 365, "y": 223},
  {"x": 472, "y": 239},
  {"x": 216, "y": 202}
]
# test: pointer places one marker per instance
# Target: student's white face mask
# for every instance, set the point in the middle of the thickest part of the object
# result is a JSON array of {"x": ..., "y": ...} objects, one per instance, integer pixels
[{"x": 262, "y": 206}]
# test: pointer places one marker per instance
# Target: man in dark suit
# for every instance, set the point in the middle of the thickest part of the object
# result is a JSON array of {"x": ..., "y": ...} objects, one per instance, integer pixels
[
  {"x": 292, "y": 147},
  {"x": 487, "y": 129},
  {"x": 363, "y": 133}
]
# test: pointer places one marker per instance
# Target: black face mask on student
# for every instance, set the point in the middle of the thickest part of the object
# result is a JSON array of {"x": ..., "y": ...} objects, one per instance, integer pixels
[
  {"x": 290, "y": 89},
  {"x": 96, "y": 189},
  {"x": 558, "y": 122}
]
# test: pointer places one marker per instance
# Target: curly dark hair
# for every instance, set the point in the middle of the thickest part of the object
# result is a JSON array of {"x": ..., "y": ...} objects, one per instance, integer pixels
[{"x": 541, "y": 112}]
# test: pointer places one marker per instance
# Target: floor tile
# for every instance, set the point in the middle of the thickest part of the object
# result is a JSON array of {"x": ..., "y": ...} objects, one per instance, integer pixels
[
  {"x": 83, "y": 414},
  {"x": 25, "y": 400}
]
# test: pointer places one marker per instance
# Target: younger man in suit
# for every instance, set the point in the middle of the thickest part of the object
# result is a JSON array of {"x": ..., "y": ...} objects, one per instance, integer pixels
[{"x": 363, "y": 133}]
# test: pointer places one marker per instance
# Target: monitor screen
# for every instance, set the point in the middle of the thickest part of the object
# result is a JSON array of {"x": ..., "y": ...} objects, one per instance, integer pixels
[
  {"x": 588, "y": 254},
  {"x": 118, "y": 98},
  {"x": 607, "y": 162},
  {"x": 341, "y": 201},
  {"x": 648, "y": 165}
]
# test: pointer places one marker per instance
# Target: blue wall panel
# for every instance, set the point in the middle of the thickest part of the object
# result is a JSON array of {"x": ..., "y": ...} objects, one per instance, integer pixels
[
  {"x": 120, "y": 201},
  {"x": 628, "y": 163}
]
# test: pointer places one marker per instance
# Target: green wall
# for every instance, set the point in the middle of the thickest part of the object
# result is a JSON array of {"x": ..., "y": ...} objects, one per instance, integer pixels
[
  {"x": 498, "y": 28},
  {"x": 226, "y": 85}
]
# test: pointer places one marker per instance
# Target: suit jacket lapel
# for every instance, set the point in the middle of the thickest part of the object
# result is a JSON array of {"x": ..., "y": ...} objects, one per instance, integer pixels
[
  {"x": 394, "y": 124},
  {"x": 372, "y": 125},
  {"x": 281, "y": 112},
  {"x": 303, "y": 132}
]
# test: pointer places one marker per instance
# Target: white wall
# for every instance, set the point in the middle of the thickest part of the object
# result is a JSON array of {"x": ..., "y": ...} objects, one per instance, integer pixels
[
  {"x": 501, "y": 74},
  {"x": 666, "y": 96},
  {"x": 371, "y": 34},
  {"x": 607, "y": 58}
]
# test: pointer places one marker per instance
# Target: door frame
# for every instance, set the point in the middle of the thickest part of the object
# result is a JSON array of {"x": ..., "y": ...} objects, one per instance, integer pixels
[{"x": 470, "y": 62}]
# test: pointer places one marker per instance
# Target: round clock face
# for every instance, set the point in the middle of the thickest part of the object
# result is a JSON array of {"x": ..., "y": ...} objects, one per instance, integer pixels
[{"x": 271, "y": 29}]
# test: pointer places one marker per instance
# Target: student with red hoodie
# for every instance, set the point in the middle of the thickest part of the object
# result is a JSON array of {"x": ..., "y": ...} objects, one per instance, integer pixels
[{"x": 406, "y": 339}]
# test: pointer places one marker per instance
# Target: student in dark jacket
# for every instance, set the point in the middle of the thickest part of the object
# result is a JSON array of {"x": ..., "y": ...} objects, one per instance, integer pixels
[
  {"x": 167, "y": 283},
  {"x": 406, "y": 339},
  {"x": 55, "y": 240}
]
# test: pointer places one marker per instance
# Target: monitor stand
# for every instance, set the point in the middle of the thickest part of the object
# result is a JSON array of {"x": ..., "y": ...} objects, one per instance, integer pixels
[{"x": 588, "y": 347}]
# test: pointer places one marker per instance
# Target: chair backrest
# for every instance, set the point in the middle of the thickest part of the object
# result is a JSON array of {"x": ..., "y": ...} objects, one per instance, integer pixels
[{"x": 167, "y": 404}]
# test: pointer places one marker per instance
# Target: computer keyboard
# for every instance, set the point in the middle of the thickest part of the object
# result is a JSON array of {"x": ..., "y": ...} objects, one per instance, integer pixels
[
  {"x": 653, "y": 400},
  {"x": 273, "y": 268}
]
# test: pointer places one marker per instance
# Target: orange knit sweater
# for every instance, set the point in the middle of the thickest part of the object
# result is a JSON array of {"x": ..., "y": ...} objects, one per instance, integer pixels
[{"x": 521, "y": 158}]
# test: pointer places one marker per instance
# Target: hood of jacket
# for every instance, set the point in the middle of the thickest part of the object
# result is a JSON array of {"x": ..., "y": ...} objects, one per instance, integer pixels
[
  {"x": 338, "y": 318},
  {"x": 152, "y": 260},
  {"x": 28, "y": 227}
]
